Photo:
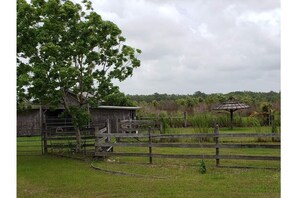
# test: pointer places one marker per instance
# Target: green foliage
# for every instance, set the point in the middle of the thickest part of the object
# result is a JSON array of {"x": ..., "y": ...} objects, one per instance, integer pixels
[
  {"x": 202, "y": 167},
  {"x": 118, "y": 99},
  {"x": 61, "y": 48},
  {"x": 201, "y": 124},
  {"x": 64, "y": 47}
]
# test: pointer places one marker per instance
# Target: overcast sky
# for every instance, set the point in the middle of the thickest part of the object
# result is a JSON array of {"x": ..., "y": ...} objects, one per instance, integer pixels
[{"x": 213, "y": 46}]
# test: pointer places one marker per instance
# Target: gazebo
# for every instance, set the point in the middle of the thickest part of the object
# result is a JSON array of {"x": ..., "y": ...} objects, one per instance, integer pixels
[{"x": 231, "y": 105}]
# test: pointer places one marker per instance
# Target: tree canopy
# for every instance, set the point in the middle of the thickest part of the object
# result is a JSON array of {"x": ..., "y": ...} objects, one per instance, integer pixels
[
  {"x": 65, "y": 47},
  {"x": 62, "y": 46}
]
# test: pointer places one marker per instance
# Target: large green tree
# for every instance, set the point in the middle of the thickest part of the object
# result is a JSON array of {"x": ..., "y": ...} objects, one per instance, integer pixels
[{"x": 65, "y": 47}]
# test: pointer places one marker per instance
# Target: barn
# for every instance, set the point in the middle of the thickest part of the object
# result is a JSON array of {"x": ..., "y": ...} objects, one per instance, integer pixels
[{"x": 29, "y": 122}]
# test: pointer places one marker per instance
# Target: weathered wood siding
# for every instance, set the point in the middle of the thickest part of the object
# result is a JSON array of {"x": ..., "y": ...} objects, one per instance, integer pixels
[
  {"x": 28, "y": 123},
  {"x": 97, "y": 115}
]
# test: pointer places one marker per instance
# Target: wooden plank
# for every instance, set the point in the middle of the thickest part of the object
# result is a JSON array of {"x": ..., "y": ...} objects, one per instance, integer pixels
[
  {"x": 69, "y": 138},
  {"x": 128, "y": 135},
  {"x": 172, "y": 145},
  {"x": 100, "y": 131},
  {"x": 121, "y": 154},
  {"x": 188, "y": 156},
  {"x": 68, "y": 146},
  {"x": 138, "y": 129},
  {"x": 201, "y": 135},
  {"x": 197, "y": 135},
  {"x": 268, "y": 146},
  {"x": 236, "y": 157},
  {"x": 248, "y": 135},
  {"x": 155, "y": 155}
]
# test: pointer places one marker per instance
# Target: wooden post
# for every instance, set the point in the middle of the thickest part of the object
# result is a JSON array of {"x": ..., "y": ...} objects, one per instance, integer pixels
[
  {"x": 150, "y": 145},
  {"x": 96, "y": 139},
  {"x": 272, "y": 125},
  {"x": 231, "y": 112},
  {"x": 40, "y": 128},
  {"x": 185, "y": 119},
  {"x": 216, "y": 132},
  {"x": 108, "y": 129},
  {"x": 45, "y": 141},
  {"x": 118, "y": 122}
]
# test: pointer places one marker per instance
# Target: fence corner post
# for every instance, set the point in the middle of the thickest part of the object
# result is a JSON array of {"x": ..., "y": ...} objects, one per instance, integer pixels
[{"x": 216, "y": 132}]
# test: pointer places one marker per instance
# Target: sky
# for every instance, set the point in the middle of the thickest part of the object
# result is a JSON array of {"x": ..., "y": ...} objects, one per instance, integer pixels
[{"x": 199, "y": 45}]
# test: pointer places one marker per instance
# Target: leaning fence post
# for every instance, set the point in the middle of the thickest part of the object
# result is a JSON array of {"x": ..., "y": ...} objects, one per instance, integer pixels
[
  {"x": 216, "y": 132},
  {"x": 150, "y": 145}
]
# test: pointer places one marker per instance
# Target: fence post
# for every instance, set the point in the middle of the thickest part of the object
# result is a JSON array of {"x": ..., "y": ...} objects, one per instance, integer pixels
[
  {"x": 118, "y": 122},
  {"x": 108, "y": 129},
  {"x": 40, "y": 128},
  {"x": 96, "y": 139},
  {"x": 150, "y": 145},
  {"x": 45, "y": 141},
  {"x": 185, "y": 119},
  {"x": 216, "y": 132},
  {"x": 108, "y": 132}
]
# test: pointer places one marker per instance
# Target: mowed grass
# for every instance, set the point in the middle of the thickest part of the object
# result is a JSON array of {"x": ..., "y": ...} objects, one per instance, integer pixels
[{"x": 51, "y": 176}]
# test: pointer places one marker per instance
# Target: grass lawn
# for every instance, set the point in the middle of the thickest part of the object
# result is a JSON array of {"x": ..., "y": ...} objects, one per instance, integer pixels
[{"x": 51, "y": 176}]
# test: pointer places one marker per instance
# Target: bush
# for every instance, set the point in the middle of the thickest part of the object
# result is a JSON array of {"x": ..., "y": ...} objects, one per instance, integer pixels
[{"x": 202, "y": 167}]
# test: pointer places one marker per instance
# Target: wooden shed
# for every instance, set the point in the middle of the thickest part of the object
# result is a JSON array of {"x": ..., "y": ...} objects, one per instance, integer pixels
[{"x": 30, "y": 121}]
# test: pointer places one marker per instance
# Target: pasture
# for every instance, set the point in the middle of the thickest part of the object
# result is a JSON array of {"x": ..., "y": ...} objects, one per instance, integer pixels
[{"x": 53, "y": 176}]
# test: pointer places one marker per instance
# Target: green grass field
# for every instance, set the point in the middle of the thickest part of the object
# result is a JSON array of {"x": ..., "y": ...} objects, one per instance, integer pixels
[{"x": 52, "y": 176}]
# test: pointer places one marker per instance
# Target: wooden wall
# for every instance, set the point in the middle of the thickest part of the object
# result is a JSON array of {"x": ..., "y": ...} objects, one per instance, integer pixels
[
  {"x": 28, "y": 123},
  {"x": 97, "y": 115}
]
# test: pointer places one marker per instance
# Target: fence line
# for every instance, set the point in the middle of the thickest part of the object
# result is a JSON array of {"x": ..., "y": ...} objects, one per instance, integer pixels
[
  {"x": 99, "y": 140},
  {"x": 150, "y": 144}
]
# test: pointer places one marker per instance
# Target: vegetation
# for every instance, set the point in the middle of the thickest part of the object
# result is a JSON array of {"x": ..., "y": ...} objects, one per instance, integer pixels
[
  {"x": 264, "y": 109},
  {"x": 65, "y": 47}
]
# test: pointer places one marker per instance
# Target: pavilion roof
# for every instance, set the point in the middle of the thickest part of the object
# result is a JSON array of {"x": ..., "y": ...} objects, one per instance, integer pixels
[{"x": 231, "y": 105}]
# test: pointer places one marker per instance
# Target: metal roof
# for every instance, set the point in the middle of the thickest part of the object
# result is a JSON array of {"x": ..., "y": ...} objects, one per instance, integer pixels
[{"x": 117, "y": 107}]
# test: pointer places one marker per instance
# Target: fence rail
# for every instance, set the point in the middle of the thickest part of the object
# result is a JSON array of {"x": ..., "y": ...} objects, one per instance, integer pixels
[{"x": 154, "y": 141}]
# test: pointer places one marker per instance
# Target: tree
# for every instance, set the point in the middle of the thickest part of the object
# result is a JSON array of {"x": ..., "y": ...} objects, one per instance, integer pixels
[
  {"x": 67, "y": 47},
  {"x": 118, "y": 99}
]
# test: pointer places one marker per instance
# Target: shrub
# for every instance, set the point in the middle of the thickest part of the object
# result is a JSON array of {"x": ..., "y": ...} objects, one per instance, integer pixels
[{"x": 202, "y": 167}]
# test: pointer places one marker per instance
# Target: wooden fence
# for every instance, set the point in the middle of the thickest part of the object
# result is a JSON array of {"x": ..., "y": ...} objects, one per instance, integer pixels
[
  {"x": 62, "y": 139},
  {"x": 153, "y": 141},
  {"x": 99, "y": 141}
]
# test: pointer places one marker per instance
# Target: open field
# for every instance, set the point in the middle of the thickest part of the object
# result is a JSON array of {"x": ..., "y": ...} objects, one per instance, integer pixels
[{"x": 51, "y": 176}]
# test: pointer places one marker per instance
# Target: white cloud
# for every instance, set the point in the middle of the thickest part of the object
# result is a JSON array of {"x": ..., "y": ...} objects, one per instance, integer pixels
[{"x": 212, "y": 46}]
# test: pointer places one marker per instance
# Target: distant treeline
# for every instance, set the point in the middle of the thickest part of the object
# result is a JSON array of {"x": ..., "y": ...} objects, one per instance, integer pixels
[
  {"x": 244, "y": 96},
  {"x": 264, "y": 106}
]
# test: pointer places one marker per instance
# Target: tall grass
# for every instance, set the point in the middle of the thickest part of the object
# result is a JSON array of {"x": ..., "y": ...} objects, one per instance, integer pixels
[{"x": 202, "y": 124}]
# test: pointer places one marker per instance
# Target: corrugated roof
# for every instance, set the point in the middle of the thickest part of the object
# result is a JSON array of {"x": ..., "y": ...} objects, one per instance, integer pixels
[{"x": 117, "y": 107}]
